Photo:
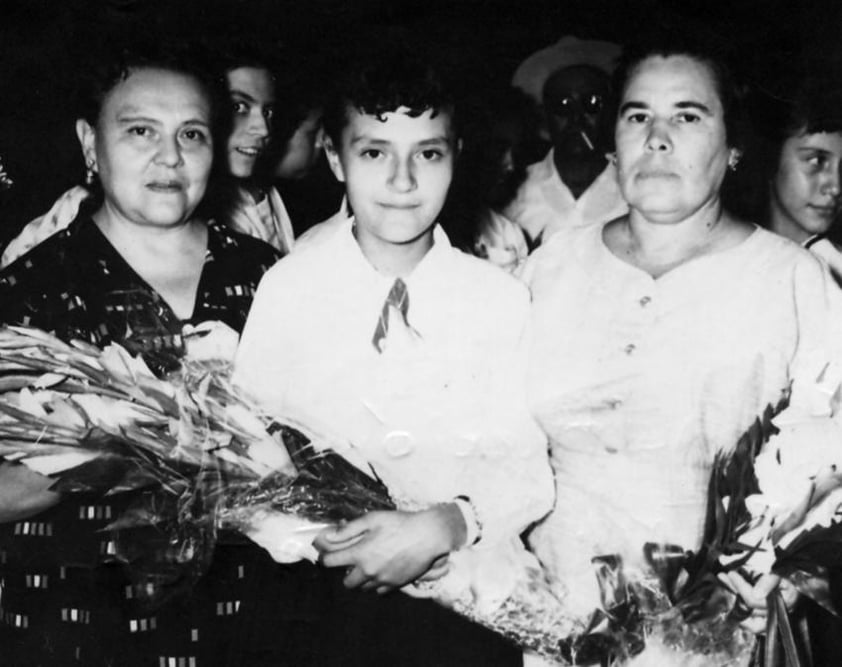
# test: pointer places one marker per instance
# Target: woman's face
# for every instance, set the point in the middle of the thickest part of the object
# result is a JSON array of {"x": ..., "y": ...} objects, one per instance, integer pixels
[
  {"x": 252, "y": 92},
  {"x": 670, "y": 134},
  {"x": 805, "y": 187},
  {"x": 152, "y": 147}
]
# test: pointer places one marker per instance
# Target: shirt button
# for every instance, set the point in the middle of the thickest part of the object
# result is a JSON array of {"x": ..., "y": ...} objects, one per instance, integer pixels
[
  {"x": 398, "y": 444},
  {"x": 631, "y": 347},
  {"x": 645, "y": 301}
]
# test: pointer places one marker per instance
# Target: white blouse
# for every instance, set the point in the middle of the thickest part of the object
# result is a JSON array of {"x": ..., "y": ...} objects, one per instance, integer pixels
[{"x": 639, "y": 382}]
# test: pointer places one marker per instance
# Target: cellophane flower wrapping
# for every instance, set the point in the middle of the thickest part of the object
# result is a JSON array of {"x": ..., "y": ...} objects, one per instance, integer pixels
[{"x": 203, "y": 459}]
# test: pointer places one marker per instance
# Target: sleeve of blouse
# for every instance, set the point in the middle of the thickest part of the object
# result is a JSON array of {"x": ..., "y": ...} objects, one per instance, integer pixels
[
  {"x": 816, "y": 368},
  {"x": 512, "y": 479}
]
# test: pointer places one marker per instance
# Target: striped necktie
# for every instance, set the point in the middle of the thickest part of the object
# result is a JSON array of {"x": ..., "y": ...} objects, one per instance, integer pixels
[{"x": 398, "y": 298}]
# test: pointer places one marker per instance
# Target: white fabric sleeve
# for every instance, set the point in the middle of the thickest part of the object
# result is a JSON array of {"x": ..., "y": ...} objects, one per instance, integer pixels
[{"x": 510, "y": 484}]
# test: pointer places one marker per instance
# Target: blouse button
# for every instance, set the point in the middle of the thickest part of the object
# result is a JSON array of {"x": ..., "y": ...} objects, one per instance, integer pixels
[
  {"x": 398, "y": 444},
  {"x": 631, "y": 347},
  {"x": 644, "y": 301}
]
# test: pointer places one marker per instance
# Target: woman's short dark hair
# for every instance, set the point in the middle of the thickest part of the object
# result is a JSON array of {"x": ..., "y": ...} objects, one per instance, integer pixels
[
  {"x": 703, "y": 48},
  {"x": 383, "y": 81},
  {"x": 108, "y": 70},
  {"x": 104, "y": 73}
]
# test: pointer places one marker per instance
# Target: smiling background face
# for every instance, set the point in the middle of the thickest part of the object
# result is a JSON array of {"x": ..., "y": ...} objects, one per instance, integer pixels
[
  {"x": 252, "y": 92},
  {"x": 672, "y": 152},
  {"x": 805, "y": 187},
  {"x": 151, "y": 147},
  {"x": 397, "y": 170}
]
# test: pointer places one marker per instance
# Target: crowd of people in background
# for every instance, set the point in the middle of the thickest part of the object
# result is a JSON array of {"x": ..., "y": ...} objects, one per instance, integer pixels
[{"x": 608, "y": 267}]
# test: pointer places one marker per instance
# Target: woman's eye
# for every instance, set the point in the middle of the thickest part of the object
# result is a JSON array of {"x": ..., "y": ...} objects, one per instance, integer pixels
[
  {"x": 268, "y": 113},
  {"x": 139, "y": 131},
  {"x": 432, "y": 154},
  {"x": 195, "y": 135},
  {"x": 688, "y": 117},
  {"x": 637, "y": 118},
  {"x": 240, "y": 107},
  {"x": 372, "y": 153}
]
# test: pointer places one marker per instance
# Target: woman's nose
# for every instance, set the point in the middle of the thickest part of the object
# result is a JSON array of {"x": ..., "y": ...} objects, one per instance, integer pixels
[
  {"x": 658, "y": 139},
  {"x": 169, "y": 152}
]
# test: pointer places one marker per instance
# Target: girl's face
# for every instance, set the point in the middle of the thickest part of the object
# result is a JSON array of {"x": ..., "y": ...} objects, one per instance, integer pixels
[
  {"x": 805, "y": 187},
  {"x": 252, "y": 92}
]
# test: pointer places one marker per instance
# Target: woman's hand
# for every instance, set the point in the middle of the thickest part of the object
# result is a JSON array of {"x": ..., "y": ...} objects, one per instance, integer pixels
[
  {"x": 755, "y": 596},
  {"x": 386, "y": 550}
]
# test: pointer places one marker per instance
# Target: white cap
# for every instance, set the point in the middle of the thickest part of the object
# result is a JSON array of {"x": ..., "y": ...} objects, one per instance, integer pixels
[{"x": 533, "y": 72}]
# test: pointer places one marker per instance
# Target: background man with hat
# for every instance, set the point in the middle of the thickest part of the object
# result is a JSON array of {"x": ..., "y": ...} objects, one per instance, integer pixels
[{"x": 575, "y": 184}]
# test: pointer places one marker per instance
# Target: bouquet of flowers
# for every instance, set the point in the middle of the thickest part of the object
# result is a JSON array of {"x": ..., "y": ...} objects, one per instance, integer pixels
[{"x": 207, "y": 459}]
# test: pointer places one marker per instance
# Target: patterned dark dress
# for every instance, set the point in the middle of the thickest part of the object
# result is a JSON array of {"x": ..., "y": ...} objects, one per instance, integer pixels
[{"x": 63, "y": 598}]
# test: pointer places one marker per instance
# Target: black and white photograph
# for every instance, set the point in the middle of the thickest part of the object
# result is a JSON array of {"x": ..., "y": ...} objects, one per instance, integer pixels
[{"x": 420, "y": 333}]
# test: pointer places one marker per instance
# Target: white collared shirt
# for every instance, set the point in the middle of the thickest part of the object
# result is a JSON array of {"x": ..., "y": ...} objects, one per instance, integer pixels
[
  {"x": 544, "y": 204},
  {"x": 442, "y": 417}
]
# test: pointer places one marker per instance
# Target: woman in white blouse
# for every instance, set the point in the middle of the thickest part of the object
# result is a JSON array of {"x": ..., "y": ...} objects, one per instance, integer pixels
[{"x": 660, "y": 335}]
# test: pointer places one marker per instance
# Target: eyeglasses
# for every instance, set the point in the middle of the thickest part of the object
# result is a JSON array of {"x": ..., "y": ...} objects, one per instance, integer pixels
[{"x": 567, "y": 106}]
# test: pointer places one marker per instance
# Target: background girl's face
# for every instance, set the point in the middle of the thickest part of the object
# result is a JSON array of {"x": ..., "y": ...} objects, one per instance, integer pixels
[
  {"x": 252, "y": 92},
  {"x": 152, "y": 147},
  {"x": 805, "y": 187}
]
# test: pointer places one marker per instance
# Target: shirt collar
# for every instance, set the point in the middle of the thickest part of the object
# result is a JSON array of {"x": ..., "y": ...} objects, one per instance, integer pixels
[{"x": 427, "y": 269}]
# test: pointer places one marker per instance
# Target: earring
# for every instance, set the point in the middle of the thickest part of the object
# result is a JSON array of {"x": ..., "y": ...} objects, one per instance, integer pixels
[
  {"x": 734, "y": 160},
  {"x": 89, "y": 172},
  {"x": 612, "y": 158}
]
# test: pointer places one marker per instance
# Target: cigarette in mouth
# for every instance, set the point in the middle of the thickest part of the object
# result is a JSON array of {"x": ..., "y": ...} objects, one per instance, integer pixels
[{"x": 586, "y": 139}]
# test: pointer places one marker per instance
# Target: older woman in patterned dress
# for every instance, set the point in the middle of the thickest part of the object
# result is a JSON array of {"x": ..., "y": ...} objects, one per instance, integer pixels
[{"x": 136, "y": 268}]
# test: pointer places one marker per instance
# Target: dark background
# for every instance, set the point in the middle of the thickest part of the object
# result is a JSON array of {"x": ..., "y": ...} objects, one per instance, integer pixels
[{"x": 42, "y": 44}]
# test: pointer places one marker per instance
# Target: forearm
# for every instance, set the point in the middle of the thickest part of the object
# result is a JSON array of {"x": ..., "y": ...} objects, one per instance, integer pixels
[{"x": 23, "y": 493}]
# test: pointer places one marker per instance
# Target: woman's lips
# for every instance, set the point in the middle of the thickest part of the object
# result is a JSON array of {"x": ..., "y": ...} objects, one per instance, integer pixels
[{"x": 165, "y": 186}]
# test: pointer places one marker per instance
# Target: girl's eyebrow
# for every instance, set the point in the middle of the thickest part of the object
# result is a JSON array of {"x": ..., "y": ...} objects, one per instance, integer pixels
[{"x": 240, "y": 93}]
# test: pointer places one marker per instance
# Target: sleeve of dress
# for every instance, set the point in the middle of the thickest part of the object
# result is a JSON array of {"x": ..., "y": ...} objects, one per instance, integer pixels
[
  {"x": 62, "y": 213},
  {"x": 510, "y": 483}
]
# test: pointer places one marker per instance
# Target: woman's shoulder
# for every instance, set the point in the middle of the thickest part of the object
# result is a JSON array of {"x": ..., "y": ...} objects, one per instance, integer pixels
[
  {"x": 770, "y": 249},
  {"x": 484, "y": 280},
  {"x": 63, "y": 250},
  {"x": 568, "y": 247}
]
